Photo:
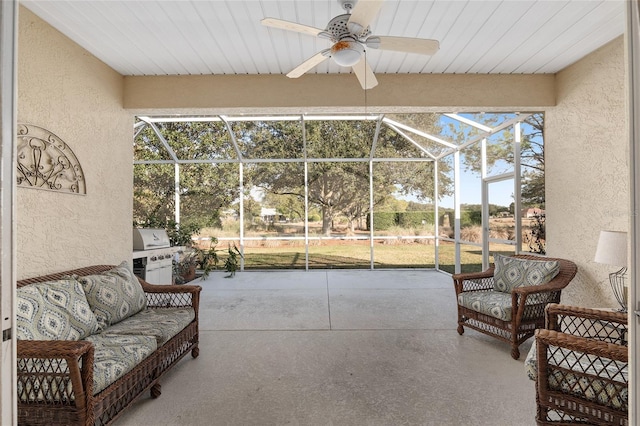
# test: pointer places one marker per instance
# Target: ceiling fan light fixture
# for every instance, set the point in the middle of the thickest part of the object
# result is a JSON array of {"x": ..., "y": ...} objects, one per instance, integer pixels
[{"x": 347, "y": 53}]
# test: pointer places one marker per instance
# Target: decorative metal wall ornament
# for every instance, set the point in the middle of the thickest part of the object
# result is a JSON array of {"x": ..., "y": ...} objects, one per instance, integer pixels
[{"x": 46, "y": 162}]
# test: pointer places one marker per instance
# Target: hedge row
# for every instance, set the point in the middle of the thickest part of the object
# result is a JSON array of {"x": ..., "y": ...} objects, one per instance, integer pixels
[{"x": 387, "y": 220}]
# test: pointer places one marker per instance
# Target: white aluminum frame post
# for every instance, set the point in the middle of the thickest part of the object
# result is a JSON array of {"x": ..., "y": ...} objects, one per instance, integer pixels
[
  {"x": 8, "y": 115},
  {"x": 633, "y": 70}
]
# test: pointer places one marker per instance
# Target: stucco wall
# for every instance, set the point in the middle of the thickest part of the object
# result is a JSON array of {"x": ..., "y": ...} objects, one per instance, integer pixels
[
  {"x": 587, "y": 177},
  {"x": 66, "y": 90}
]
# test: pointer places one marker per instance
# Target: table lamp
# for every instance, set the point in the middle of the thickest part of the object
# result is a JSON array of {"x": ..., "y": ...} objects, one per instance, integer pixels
[{"x": 612, "y": 250}]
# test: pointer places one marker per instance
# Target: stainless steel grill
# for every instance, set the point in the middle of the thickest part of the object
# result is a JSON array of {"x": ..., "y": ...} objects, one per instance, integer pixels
[{"x": 153, "y": 255}]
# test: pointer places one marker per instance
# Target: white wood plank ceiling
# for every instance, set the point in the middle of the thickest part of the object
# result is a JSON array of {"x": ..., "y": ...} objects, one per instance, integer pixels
[{"x": 181, "y": 37}]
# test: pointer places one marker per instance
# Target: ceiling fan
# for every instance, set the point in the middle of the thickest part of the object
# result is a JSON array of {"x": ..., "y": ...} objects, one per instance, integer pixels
[{"x": 351, "y": 37}]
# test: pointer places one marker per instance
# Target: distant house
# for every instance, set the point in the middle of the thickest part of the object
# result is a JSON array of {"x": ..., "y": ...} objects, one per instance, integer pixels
[
  {"x": 268, "y": 215},
  {"x": 531, "y": 212}
]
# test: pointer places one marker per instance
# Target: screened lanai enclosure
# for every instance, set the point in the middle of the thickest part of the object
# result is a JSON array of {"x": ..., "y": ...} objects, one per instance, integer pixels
[{"x": 441, "y": 191}]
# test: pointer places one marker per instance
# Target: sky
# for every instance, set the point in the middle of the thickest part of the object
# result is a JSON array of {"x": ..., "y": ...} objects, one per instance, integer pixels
[{"x": 500, "y": 193}]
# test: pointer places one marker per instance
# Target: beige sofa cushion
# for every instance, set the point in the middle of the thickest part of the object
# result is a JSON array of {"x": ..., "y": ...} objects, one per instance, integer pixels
[
  {"x": 53, "y": 310},
  {"x": 512, "y": 272},
  {"x": 114, "y": 295}
]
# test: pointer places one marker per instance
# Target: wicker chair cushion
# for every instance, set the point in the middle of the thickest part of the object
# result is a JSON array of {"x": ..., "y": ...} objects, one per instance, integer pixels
[
  {"x": 493, "y": 303},
  {"x": 53, "y": 310},
  {"x": 116, "y": 355},
  {"x": 161, "y": 323},
  {"x": 613, "y": 395},
  {"x": 44, "y": 390},
  {"x": 114, "y": 295},
  {"x": 512, "y": 272},
  {"x": 530, "y": 363}
]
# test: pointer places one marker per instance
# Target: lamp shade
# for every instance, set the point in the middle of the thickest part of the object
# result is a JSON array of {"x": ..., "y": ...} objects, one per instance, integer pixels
[{"x": 612, "y": 248}]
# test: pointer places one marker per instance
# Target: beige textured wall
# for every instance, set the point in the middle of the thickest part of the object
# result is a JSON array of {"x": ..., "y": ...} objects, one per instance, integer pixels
[
  {"x": 587, "y": 177},
  {"x": 64, "y": 89},
  {"x": 339, "y": 93}
]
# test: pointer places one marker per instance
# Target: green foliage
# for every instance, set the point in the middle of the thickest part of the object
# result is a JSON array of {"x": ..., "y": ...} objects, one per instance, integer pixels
[
  {"x": 475, "y": 217},
  {"x": 533, "y": 189},
  {"x": 207, "y": 259},
  {"x": 179, "y": 235},
  {"x": 383, "y": 221},
  {"x": 386, "y": 220},
  {"x": 232, "y": 263},
  {"x": 414, "y": 219},
  {"x": 537, "y": 237},
  {"x": 413, "y": 206},
  {"x": 337, "y": 188},
  {"x": 205, "y": 189},
  {"x": 468, "y": 217}
]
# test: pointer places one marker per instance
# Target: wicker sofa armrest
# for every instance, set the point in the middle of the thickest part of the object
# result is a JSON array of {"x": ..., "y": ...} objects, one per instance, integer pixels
[
  {"x": 596, "y": 324},
  {"x": 474, "y": 281},
  {"x": 546, "y": 338},
  {"x": 174, "y": 296},
  {"x": 44, "y": 349},
  {"x": 63, "y": 369},
  {"x": 581, "y": 380}
]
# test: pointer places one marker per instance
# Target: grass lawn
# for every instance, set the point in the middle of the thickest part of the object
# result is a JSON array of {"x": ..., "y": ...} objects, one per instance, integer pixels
[{"x": 356, "y": 254}]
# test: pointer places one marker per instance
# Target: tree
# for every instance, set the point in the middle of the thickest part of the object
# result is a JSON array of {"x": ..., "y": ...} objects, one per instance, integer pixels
[
  {"x": 336, "y": 187},
  {"x": 532, "y": 158},
  {"x": 500, "y": 149},
  {"x": 291, "y": 206},
  {"x": 205, "y": 189}
]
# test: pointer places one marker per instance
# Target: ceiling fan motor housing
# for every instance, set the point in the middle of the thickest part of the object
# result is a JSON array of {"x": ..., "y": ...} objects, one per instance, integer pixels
[
  {"x": 338, "y": 29},
  {"x": 348, "y": 5}
]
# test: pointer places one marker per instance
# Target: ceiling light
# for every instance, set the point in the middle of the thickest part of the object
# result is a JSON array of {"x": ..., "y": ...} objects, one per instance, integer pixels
[{"x": 346, "y": 53}]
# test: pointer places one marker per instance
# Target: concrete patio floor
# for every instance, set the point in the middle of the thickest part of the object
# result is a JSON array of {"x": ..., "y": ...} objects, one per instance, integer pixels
[{"x": 338, "y": 347}]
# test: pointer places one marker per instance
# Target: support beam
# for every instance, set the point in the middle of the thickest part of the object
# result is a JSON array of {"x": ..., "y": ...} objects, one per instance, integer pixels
[{"x": 336, "y": 93}]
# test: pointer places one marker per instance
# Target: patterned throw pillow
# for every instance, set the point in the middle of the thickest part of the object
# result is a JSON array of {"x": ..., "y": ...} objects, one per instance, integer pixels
[
  {"x": 114, "y": 295},
  {"x": 54, "y": 310},
  {"x": 512, "y": 272}
]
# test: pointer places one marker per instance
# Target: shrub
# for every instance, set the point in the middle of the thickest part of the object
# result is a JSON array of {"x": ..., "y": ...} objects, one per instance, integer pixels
[
  {"x": 386, "y": 220},
  {"x": 499, "y": 233},
  {"x": 537, "y": 236},
  {"x": 382, "y": 221},
  {"x": 414, "y": 219},
  {"x": 472, "y": 234}
]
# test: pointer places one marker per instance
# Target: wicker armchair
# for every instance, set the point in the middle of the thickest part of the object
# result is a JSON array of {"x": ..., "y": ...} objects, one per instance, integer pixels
[
  {"x": 580, "y": 364},
  {"x": 524, "y": 307}
]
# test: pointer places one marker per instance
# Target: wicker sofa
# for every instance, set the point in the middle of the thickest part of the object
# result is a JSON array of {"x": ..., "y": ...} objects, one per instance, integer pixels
[
  {"x": 580, "y": 365},
  {"x": 507, "y": 300},
  {"x": 92, "y": 340}
]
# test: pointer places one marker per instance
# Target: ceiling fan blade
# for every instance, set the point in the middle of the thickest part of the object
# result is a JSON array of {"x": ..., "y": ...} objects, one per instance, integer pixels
[
  {"x": 365, "y": 74},
  {"x": 404, "y": 44},
  {"x": 313, "y": 61},
  {"x": 363, "y": 14},
  {"x": 290, "y": 26}
]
